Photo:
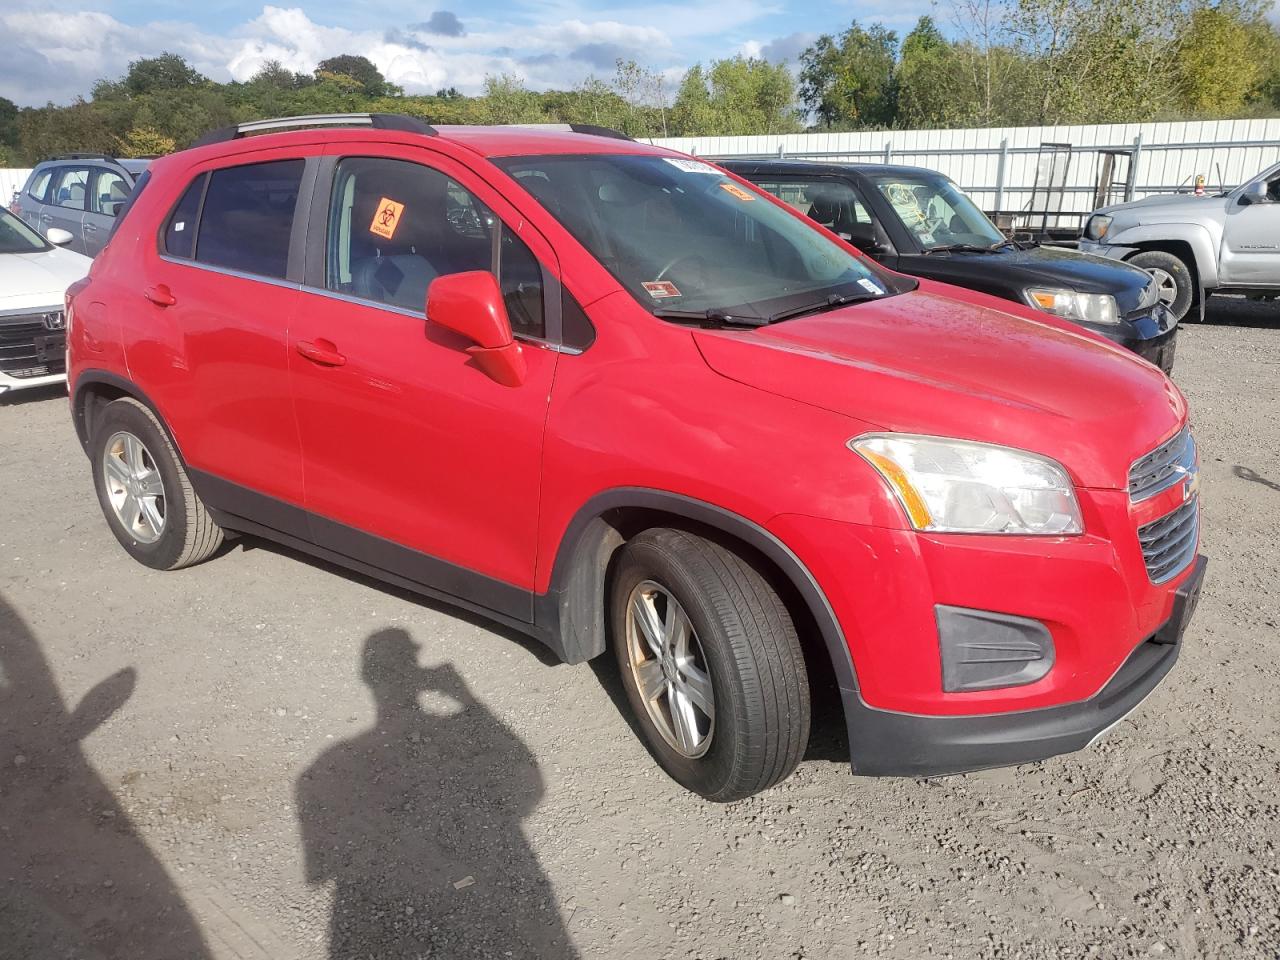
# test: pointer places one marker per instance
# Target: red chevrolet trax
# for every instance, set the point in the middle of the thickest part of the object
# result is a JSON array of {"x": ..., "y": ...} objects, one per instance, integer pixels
[{"x": 613, "y": 396}]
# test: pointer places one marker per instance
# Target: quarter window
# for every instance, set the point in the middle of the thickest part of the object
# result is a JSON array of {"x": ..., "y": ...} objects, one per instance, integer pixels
[
  {"x": 247, "y": 217},
  {"x": 394, "y": 226},
  {"x": 180, "y": 234},
  {"x": 40, "y": 186}
]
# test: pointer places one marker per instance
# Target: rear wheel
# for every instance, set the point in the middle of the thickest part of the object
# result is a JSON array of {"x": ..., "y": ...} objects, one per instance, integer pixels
[
  {"x": 711, "y": 664},
  {"x": 144, "y": 491},
  {"x": 1173, "y": 279}
]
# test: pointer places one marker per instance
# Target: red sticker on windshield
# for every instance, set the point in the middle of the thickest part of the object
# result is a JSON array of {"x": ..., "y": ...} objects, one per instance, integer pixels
[{"x": 661, "y": 289}]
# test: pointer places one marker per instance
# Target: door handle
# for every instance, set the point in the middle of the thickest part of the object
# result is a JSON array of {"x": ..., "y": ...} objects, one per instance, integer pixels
[
  {"x": 322, "y": 352},
  {"x": 90, "y": 228},
  {"x": 45, "y": 218},
  {"x": 160, "y": 295}
]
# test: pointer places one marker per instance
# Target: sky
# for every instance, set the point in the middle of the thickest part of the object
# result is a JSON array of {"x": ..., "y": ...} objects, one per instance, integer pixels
[{"x": 54, "y": 50}]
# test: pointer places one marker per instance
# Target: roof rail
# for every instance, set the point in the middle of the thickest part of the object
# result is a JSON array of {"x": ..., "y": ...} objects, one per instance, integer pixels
[
  {"x": 377, "y": 121},
  {"x": 587, "y": 128},
  {"x": 81, "y": 156}
]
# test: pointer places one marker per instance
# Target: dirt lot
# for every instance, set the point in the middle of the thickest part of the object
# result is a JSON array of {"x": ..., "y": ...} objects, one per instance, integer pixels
[{"x": 265, "y": 757}]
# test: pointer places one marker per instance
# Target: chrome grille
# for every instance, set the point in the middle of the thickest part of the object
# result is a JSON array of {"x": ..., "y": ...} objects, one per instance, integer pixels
[
  {"x": 29, "y": 348},
  {"x": 1172, "y": 461},
  {"x": 1169, "y": 544}
]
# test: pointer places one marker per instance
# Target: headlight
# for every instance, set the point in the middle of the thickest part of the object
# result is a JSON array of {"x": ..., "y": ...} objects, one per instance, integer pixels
[
  {"x": 959, "y": 486},
  {"x": 1097, "y": 226},
  {"x": 1073, "y": 305}
]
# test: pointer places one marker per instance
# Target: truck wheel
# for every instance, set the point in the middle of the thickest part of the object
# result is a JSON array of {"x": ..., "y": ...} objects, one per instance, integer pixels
[
  {"x": 144, "y": 490},
  {"x": 711, "y": 664},
  {"x": 1173, "y": 278}
]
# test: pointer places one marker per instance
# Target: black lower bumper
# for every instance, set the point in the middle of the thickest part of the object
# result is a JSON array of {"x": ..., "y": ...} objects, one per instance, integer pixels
[
  {"x": 885, "y": 744},
  {"x": 1154, "y": 339}
]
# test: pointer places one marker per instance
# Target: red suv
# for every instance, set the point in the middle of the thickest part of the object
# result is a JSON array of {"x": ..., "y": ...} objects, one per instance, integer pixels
[{"x": 610, "y": 395}]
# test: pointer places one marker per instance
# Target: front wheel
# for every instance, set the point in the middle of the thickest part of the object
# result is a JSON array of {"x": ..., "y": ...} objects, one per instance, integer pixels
[
  {"x": 1174, "y": 282},
  {"x": 144, "y": 491},
  {"x": 711, "y": 664}
]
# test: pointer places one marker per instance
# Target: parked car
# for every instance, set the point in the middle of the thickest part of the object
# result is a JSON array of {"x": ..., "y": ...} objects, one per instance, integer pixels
[
  {"x": 609, "y": 395},
  {"x": 1196, "y": 246},
  {"x": 34, "y": 276},
  {"x": 81, "y": 193},
  {"x": 919, "y": 222}
]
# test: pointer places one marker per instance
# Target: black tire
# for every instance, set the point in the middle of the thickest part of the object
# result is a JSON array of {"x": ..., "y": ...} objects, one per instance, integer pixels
[
  {"x": 188, "y": 534},
  {"x": 752, "y": 656},
  {"x": 1160, "y": 264}
]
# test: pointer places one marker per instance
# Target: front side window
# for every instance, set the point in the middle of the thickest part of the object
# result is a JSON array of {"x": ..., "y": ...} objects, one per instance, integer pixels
[
  {"x": 394, "y": 226},
  {"x": 109, "y": 193},
  {"x": 247, "y": 217},
  {"x": 17, "y": 237},
  {"x": 71, "y": 187},
  {"x": 835, "y": 204},
  {"x": 936, "y": 211},
  {"x": 686, "y": 240}
]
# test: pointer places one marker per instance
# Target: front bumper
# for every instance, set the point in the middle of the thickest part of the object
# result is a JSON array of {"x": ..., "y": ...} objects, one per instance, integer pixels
[
  {"x": 884, "y": 743},
  {"x": 1152, "y": 334},
  {"x": 8, "y": 383}
]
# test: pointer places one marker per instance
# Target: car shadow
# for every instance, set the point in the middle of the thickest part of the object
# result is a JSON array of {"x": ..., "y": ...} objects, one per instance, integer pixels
[
  {"x": 1245, "y": 473},
  {"x": 416, "y": 823},
  {"x": 78, "y": 879},
  {"x": 1234, "y": 311},
  {"x": 53, "y": 391}
]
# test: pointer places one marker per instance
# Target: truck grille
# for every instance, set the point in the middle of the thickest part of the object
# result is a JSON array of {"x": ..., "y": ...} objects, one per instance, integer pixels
[
  {"x": 28, "y": 348},
  {"x": 1169, "y": 544},
  {"x": 1166, "y": 465}
]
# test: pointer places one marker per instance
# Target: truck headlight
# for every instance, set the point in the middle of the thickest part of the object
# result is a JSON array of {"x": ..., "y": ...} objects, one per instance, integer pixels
[
  {"x": 1097, "y": 226},
  {"x": 1074, "y": 305},
  {"x": 960, "y": 486}
]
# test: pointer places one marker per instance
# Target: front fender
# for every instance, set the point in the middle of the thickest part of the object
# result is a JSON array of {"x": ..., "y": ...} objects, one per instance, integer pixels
[{"x": 1202, "y": 241}]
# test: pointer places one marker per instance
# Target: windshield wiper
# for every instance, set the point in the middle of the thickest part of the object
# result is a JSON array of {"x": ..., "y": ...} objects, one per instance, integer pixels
[
  {"x": 1016, "y": 244},
  {"x": 964, "y": 248},
  {"x": 712, "y": 317},
  {"x": 833, "y": 301}
]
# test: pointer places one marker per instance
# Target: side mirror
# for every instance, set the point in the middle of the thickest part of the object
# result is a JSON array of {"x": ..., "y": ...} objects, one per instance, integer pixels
[
  {"x": 1255, "y": 193},
  {"x": 58, "y": 237},
  {"x": 470, "y": 304}
]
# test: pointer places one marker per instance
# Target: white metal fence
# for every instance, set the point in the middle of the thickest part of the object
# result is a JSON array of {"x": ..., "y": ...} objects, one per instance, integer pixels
[
  {"x": 11, "y": 179},
  {"x": 1000, "y": 166}
]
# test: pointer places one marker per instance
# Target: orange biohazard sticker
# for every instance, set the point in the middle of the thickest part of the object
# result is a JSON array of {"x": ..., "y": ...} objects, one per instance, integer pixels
[
  {"x": 734, "y": 190},
  {"x": 386, "y": 218}
]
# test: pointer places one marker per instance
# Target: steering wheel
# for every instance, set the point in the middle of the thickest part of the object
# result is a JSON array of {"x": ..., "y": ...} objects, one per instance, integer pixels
[{"x": 675, "y": 261}]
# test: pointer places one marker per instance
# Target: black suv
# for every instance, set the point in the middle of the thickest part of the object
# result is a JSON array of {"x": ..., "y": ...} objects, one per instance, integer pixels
[
  {"x": 919, "y": 222},
  {"x": 81, "y": 193}
]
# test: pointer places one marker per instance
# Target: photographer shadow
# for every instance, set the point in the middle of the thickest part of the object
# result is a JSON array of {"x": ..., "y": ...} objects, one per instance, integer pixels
[{"x": 417, "y": 823}]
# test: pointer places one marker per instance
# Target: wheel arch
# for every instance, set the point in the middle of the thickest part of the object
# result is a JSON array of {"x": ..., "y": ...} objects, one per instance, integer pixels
[
  {"x": 1191, "y": 243},
  {"x": 94, "y": 389},
  {"x": 574, "y": 607}
]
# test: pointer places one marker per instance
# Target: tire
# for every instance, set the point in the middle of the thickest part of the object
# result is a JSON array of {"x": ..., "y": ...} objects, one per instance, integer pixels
[
  {"x": 1178, "y": 288},
  {"x": 743, "y": 645},
  {"x": 144, "y": 490}
]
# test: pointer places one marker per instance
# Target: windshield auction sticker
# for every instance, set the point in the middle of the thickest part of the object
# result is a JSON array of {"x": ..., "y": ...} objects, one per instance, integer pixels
[
  {"x": 692, "y": 166},
  {"x": 387, "y": 218},
  {"x": 736, "y": 191},
  {"x": 661, "y": 289}
]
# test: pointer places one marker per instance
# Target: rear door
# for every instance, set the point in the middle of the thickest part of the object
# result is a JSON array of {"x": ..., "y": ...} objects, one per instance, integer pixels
[
  {"x": 417, "y": 462},
  {"x": 1251, "y": 239},
  {"x": 209, "y": 340},
  {"x": 65, "y": 208},
  {"x": 108, "y": 191}
]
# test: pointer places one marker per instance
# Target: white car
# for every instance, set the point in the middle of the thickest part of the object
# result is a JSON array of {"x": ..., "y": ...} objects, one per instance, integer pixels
[{"x": 34, "y": 274}]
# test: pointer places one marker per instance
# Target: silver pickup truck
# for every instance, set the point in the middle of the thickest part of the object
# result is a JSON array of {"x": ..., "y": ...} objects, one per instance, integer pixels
[{"x": 1197, "y": 245}]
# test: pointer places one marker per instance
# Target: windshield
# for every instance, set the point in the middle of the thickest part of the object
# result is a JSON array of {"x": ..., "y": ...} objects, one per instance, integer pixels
[
  {"x": 17, "y": 237},
  {"x": 936, "y": 212},
  {"x": 683, "y": 238}
]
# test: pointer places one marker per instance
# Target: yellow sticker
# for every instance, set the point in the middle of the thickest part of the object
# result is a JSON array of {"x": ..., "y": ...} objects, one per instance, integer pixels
[
  {"x": 734, "y": 190},
  {"x": 387, "y": 218}
]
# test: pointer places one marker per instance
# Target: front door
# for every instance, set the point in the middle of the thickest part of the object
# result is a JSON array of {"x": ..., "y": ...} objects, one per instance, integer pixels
[
  {"x": 66, "y": 205},
  {"x": 415, "y": 461},
  {"x": 1251, "y": 239}
]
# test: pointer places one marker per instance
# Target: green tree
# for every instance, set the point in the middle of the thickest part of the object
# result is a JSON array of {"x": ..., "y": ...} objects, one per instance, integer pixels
[
  {"x": 693, "y": 114},
  {"x": 8, "y": 124},
  {"x": 1225, "y": 59},
  {"x": 164, "y": 73},
  {"x": 507, "y": 100},
  {"x": 145, "y": 142},
  {"x": 368, "y": 78},
  {"x": 849, "y": 81}
]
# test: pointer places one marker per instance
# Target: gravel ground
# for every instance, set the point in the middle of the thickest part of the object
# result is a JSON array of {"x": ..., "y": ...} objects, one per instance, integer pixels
[{"x": 265, "y": 757}]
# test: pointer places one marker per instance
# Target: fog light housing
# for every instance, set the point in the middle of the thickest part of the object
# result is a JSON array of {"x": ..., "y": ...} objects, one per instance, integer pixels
[{"x": 983, "y": 650}]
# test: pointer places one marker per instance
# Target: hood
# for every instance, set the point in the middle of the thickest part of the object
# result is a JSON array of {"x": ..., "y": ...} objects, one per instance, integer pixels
[
  {"x": 38, "y": 279},
  {"x": 954, "y": 364},
  {"x": 1044, "y": 267},
  {"x": 1174, "y": 204}
]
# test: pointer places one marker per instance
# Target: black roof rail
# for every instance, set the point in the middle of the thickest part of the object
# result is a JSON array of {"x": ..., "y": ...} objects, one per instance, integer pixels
[
  {"x": 588, "y": 128},
  {"x": 376, "y": 121},
  {"x": 80, "y": 156}
]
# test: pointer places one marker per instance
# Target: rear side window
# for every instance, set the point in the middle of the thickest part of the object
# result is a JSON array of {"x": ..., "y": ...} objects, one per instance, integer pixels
[
  {"x": 180, "y": 233},
  {"x": 40, "y": 185},
  {"x": 134, "y": 194},
  {"x": 247, "y": 217},
  {"x": 71, "y": 188},
  {"x": 110, "y": 191}
]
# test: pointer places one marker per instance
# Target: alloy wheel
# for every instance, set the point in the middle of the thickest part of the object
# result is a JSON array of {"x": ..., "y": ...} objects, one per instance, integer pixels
[{"x": 134, "y": 487}]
